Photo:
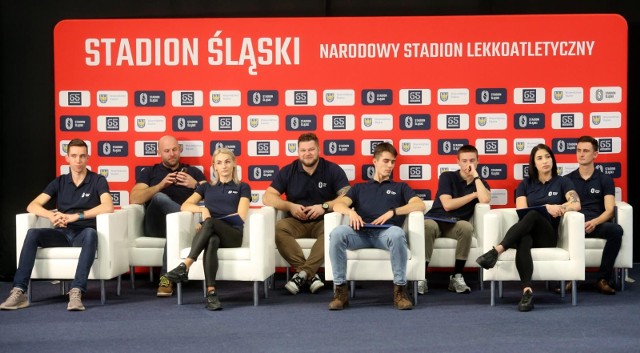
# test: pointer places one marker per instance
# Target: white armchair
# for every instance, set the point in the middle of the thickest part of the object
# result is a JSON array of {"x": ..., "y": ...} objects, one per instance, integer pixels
[
  {"x": 562, "y": 263},
  {"x": 143, "y": 251},
  {"x": 60, "y": 263},
  {"x": 253, "y": 261},
  {"x": 594, "y": 246},
  {"x": 375, "y": 264},
  {"x": 444, "y": 249}
]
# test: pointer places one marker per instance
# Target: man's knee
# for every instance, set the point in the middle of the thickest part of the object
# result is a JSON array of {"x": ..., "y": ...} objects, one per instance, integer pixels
[{"x": 430, "y": 229}]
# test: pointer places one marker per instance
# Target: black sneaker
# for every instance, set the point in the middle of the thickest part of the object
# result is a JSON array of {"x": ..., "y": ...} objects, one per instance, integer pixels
[
  {"x": 488, "y": 259},
  {"x": 178, "y": 274},
  {"x": 294, "y": 285},
  {"x": 526, "y": 302},
  {"x": 213, "y": 303}
]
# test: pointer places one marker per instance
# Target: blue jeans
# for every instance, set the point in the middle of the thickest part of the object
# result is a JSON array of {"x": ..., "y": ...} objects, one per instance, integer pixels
[
  {"x": 155, "y": 220},
  {"x": 344, "y": 238},
  {"x": 86, "y": 238}
]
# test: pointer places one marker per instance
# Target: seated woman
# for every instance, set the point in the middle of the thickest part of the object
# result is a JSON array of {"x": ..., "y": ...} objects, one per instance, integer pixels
[
  {"x": 224, "y": 196},
  {"x": 545, "y": 187}
]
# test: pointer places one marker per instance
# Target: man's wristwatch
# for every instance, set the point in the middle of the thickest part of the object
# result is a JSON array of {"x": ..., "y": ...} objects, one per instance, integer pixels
[
  {"x": 80, "y": 216},
  {"x": 325, "y": 207}
]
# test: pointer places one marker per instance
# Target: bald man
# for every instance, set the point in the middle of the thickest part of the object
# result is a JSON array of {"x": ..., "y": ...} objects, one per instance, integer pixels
[{"x": 162, "y": 188}]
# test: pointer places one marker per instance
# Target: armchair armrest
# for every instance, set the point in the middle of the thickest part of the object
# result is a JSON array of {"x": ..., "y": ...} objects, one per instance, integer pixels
[
  {"x": 135, "y": 221},
  {"x": 478, "y": 221},
  {"x": 113, "y": 242},
  {"x": 624, "y": 217},
  {"x": 262, "y": 237},
  {"x": 331, "y": 221},
  {"x": 180, "y": 232},
  {"x": 414, "y": 228}
]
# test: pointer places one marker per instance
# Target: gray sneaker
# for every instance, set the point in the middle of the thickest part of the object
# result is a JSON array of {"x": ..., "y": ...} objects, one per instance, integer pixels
[
  {"x": 315, "y": 283},
  {"x": 457, "y": 284},
  {"x": 423, "y": 287},
  {"x": 75, "y": 300},
  {"x": 17, "y": 300}
]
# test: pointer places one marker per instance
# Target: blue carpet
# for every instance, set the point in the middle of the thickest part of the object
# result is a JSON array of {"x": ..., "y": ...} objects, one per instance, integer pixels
[{"x": 138, "y": 321}]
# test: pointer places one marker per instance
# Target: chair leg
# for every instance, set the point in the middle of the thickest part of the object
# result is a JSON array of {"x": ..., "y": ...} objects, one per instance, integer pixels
[
  {"x": 266, "y": 283},
  {"x": 288, "y": 273},
  {"x": 63, "y": 288},
  {"x": 204, "y": 289},
  {"x": 103, "y": 292},
  {"x": 255, "y": 293},
  {"x": 500, "y": 292},
  {"x": 415, "y": 292},
  {"x": 562, "y": 287},
  {"x": 574, "y": 293},
  {"x": 493, "y": 293},
  {"x": 179, "y": 288},
  {"x": 29, "y": 291},
  {"x": 119, "y": 286},
  {"x": 352, "y": 289},
  {"x": 132, "y": 276},
  {"x": 480, "y": 278},
  {"x": 151, "y": 274}
]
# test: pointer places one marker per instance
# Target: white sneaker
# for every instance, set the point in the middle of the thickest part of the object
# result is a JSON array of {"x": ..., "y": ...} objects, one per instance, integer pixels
[
  {"x": 294, "y": 285},
  {"x": 422, "y": 286},
  {"x": 457, "y": 284},
  {"x": 315, "y": 284}
]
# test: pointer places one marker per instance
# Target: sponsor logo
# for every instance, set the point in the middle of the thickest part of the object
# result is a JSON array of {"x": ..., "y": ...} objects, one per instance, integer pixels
[
  {"x": 493, "y": 171},
  {"x": 605, "y": 95},
  {"x": 415, "y": 121},
  {"x": 368, "y": 146},
  {"x": 488, "y": 121},
  {"x": 528, "y": 120},
  {"x": 113, "y": 148},
  {"x": 258, "y": 148},
  {"x": 192, "y": 148},
  {"x": 234, "y": 145},
  {"x": 424, "y": 194},
  {"x": 605, "y": 120},
  {"x": 64, "y": 145},
  {"x": 491, "y": 96},
  {"x": 150, "y": 148},
  {"x": 75, "y": 123},
  {"x": 377, "y": 122},
  {"x": 115, "y": 173},
  {"x": 415, "y": 147},
  {"x": 528, "y": 95},
  {"x": 453, "y": 121},
  {"x": 262, "y": 98},
  {"x": 453, "y": 96},
  {"x": 566, "y": 120},
  {"x": 300, "y": 98},
  {"x": 262, "y": 172},
  {"x": 339, "y": 97},
  {"x": 263, "y": 122},
  {"x": 186, "y": 99},
  {"x": 113, "y": 98},
  {"x": 224, "y": 123},
  {"x": 187, "y": 123},
  {"x": 339, "y": 147},
  {"x": 115, "y": 197},
  {"x": 74, "y": 98},
  {"x": 564, "y": 145},
  {"x": 108, "y": 123},
  {"x": 149, "y": 98},
  {"x": 415, "y": 172},
  {"x": 224, "y": 98},
  {"x": 613, "y": 170},
  {"x": 338, "y": 122},
  {"x": 491, "y": 146},
  {"x": 377, "y": 97},
  {"x": 415, "y": 97},
  {"x": 524, "y": 146},
  {"x": 450, "y": 146},
  {"x": 301, "y": 122},
  {"x": 150, "y": 123}
]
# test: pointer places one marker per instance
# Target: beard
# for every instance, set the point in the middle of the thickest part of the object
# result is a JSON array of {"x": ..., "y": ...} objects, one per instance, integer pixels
[{"x": 311, "y": 163}]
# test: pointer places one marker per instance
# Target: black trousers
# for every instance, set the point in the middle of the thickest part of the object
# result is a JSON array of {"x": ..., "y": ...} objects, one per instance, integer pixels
[
  {"x": 213, "y": 235},
  {"x": 532, "y": 231}
]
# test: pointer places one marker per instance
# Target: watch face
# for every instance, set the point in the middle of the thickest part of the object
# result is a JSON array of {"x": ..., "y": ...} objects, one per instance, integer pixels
[{"x": 325, "y": 206}]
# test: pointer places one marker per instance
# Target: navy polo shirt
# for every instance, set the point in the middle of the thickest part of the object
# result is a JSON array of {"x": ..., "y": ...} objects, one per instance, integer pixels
[
  {"x": 75, "y": 199},
  {"x": 305, "y": 189},
  {"x": 222, "y": 199},
  {"x": 592, "y": 192},
  {"x": 452, "y": 183},
  {"x": 551, "y": 192},
  {"x": 371, "y": 199},
  {"x": 178, "y": 193}
]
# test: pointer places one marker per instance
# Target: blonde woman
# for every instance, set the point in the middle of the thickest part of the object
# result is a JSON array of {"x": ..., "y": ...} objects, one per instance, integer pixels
[{"x": 225, "y": 195}]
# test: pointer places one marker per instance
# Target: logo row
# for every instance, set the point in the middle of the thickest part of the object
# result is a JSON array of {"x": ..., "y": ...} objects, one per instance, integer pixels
[
  {"x": 340, "y": 97},
  {"x": 344, "y": 122},
  {"x": 407, "y": 172},
  {"x": 407, "y": 147}
]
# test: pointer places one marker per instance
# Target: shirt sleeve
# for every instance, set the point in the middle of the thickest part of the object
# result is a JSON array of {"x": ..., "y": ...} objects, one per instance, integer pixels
[
  {"x": 521, "y": 190},
  {"x": 408, "y": 193},
  {"x": 144, "y": 176},
  {"x": 200, "y": 189},
  {"x": 279, "y": 181},
  {"x": 53, "y": 187},
  {"x": 445, "y": 185},
  {"x": 196, "y": 174},
  {"x": 102, "y": 185},
  {"x": 608, "y": 186},
  {"x": 245, "y": 190}
]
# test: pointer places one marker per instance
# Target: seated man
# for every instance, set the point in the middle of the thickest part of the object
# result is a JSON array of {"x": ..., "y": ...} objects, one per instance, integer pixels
[
  {"x": 380, "y": 201},
  {"x": 162, "y": 188},
  {"x": 81, "y": 196},
  {"x": 458, "y": 193},
  {"x": 597, "y": 194}
]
